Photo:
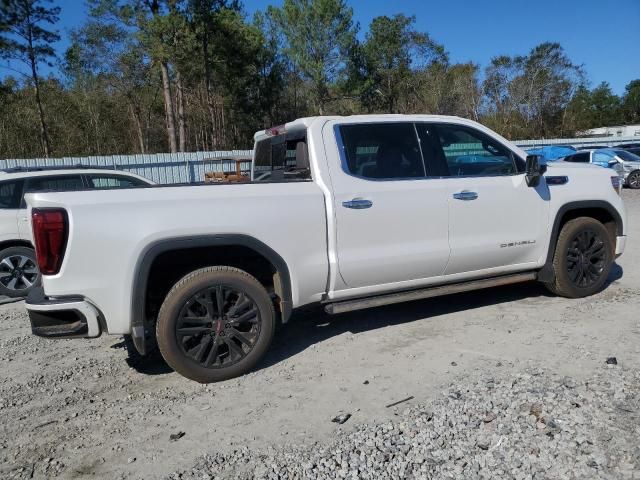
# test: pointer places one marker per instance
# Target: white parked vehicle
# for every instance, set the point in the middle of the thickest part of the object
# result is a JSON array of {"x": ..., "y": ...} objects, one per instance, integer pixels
[
  {"x": 348, "y": 212},
  {"x": 627, "y": 164},
  {"x": 18, "y": 270}
]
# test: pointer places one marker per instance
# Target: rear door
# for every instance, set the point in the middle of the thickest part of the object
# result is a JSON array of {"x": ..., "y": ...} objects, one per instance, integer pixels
[
  {"x": 495, "y": 220},
  {"x": 391, "y": 220},
  {"x": 45, "y": 183},
  {"x": 10, "y": 198}
]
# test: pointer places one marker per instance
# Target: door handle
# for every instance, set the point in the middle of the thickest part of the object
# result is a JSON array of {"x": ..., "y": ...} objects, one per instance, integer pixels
[
  {"x": 358, "y": 203},
  {"x": 465, "y": 195},
  {"x": 24, "y": 219}
]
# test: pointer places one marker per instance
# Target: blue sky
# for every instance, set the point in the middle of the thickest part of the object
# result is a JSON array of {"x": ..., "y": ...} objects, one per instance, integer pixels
[{"x": 604, "y": 35}]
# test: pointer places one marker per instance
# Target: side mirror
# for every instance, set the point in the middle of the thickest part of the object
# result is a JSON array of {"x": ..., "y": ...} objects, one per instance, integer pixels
[
  {"x": 534, "y": 170},
  {"x": 613, "y": 163}
]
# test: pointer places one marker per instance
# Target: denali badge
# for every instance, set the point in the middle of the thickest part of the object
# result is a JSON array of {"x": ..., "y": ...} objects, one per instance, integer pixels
[{"x": 517, "y": 244}]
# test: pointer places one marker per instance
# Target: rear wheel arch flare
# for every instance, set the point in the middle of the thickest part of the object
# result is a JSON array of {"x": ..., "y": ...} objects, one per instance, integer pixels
[{"x": 139, "y": 321}]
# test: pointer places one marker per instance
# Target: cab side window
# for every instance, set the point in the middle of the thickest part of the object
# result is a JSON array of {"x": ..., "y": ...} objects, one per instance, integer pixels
[
  {"x": 282, "y": 158},
  {"x": 468, "y": 152},
  {"x": 381, "y": 151}
]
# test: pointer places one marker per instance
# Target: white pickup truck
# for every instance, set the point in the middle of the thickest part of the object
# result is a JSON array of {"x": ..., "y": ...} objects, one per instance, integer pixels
[{"x": 348, "y": 212}]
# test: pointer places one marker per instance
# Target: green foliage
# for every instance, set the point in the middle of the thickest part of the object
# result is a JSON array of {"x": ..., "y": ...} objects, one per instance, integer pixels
[
  {"x": 528, "y": 95},
  {"x": 26, "y": 39},
  {"x": 319, "y": 35},
  {"x": 24, "y": 36},
  {"x": 390, "y": 50},
  {"x": 631, "y": 102},
  {"x": 221, "y": 76}
]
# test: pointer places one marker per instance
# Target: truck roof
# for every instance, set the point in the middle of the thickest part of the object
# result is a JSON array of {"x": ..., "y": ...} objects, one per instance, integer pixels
[
  {"x": 51, "y": 170},
  {"x": 306, "y": 122}
]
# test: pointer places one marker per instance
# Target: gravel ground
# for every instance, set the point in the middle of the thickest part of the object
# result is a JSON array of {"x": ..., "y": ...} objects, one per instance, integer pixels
[
  {"x": 505, "y": 383},
  {"x": 528, "y": 425}
]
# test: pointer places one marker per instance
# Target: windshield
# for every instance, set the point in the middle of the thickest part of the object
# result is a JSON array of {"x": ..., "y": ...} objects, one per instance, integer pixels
[{"x": 627, "y": 156}]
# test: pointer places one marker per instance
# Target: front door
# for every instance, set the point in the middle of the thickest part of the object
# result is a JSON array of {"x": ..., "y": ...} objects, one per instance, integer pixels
[
  {"x": 391, "y": 220},
  {"x": 495, "y": 220}
]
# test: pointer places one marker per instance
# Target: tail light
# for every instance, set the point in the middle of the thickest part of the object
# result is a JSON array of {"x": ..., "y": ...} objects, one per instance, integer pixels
[{"x": 50, "y": 233}]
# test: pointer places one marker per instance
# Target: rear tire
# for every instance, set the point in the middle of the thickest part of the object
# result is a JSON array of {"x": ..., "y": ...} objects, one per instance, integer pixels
[
  {"x": 583, "y": 258},
  {"x": 18, "y": 271},
  {"x": 215, "y": 324},
  {"x": 633, "y": 180}
]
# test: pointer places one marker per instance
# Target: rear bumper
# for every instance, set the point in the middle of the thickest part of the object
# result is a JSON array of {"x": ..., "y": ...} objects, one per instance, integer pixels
[
  {"x": 621, "y": 243},
  {"x": 70, "y": 317}
]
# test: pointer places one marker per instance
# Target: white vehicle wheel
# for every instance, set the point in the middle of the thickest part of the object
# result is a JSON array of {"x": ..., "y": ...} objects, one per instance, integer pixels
[
  {"x": 633, "y": 180},
  {"x": 18, "y": 271}
]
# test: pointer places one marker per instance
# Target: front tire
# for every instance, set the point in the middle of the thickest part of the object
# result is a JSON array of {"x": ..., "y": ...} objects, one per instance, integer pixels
[
  {"x": 583, "y": 258},
  {"x": 215, "y": 324},
  {"x": 633, "y": 180},
  {"x": 18, "y": 271}
]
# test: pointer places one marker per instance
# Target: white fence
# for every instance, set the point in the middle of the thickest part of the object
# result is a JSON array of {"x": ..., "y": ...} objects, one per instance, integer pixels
[
  {"x": 190, "y": 167},
  {"x": 577, "y": 142},
  {"x": 161, "y": 167}
]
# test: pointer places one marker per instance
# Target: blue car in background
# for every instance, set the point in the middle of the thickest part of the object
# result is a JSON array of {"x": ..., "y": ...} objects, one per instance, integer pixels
[
  {"x": 625, "y": 163},
  {"x": 552, "y": 152}
]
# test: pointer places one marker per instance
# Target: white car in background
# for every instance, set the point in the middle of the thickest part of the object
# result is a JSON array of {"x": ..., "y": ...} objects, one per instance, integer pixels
[
  {"x": 627, "y": 164},
  {"x": 18, "y": 266}
]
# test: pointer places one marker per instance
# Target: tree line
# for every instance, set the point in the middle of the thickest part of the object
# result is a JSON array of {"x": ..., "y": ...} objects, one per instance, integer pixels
[{"x": 144, "y": 76}]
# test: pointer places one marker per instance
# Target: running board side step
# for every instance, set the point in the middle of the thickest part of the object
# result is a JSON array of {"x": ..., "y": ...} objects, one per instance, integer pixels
[{"x": 391, "y": 298}]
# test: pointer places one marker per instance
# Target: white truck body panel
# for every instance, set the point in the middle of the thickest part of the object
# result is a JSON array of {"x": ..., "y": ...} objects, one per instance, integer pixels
[
  {"x": 108, "y": 237},
  {"x": 415, "y": 233}
]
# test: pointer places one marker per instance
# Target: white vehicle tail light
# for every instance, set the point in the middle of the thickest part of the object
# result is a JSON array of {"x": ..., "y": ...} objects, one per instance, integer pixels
[{"x": 50, "y": 233}]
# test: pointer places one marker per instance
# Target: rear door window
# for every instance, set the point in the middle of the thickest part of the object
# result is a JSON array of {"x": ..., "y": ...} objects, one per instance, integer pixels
[
  {"x": 10, "y": 194},
  {"x": 381, "y": 151},
  {"x": 113, "y": 181},
  {"x": 58, "y": 183}
]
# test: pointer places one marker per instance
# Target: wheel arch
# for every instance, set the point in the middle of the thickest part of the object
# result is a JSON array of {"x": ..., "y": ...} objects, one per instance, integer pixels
[
  {"x": 15, "y": 243},
  {"x": 210, "y": 243},
  {"x": 601, "y": 210}
]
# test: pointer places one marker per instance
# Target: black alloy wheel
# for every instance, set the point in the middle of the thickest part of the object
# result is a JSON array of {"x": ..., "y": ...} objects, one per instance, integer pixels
[
  {"x": 216, "y": 323},
  {"x": 586, "y": 258},
  {"x": 218, "y": 326},
  {"x": 582, "y": 259}
]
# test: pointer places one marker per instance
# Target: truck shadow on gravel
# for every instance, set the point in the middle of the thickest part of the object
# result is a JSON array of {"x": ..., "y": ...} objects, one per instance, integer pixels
[{"x": 311, "y": 325}]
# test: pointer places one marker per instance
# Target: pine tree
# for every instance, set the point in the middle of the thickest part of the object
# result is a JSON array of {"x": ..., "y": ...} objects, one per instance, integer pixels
[{"x": 26, "y": 39}]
